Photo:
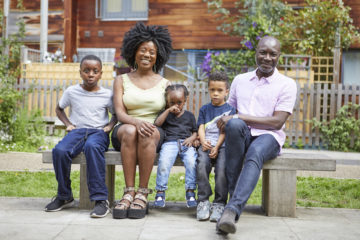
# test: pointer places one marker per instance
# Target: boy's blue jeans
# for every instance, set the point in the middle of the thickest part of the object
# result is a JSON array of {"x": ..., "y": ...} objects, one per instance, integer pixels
[
  {"x": 94, "y": 143},
  {"x": 245, "y": 156},
  {"x": 204, "y": 166},
  {"x": 168, "y": 153}
]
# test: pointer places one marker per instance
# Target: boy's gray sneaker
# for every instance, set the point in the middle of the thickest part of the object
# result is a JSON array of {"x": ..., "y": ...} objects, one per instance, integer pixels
[
  {"x": 203, "y": 210},
  {"x": 216, "y": 211},
  {"x": 101, "y": 209},
  {"x": 57, "y": 204}
]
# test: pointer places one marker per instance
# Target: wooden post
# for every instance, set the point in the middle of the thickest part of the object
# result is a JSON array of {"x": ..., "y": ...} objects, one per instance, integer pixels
[
  {"x": 70, "y": 25},
  {"x": 337, "y": 55}
]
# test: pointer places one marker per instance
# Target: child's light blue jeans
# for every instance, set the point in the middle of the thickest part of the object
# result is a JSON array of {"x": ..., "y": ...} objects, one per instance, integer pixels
[{"x": 168, "y": 153}]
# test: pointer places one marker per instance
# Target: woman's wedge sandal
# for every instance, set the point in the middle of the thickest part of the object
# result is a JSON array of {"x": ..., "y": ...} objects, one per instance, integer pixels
[
  {"x": 121, "y": 209},
  {"x": 140, "y": 206}
]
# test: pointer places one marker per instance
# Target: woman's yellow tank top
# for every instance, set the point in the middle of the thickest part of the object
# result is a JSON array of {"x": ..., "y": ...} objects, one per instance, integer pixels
[{"x": 143, "y": 104}]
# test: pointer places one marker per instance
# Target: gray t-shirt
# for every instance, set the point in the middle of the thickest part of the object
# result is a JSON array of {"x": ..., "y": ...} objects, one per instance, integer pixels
[{"x": 87, "y": 109}]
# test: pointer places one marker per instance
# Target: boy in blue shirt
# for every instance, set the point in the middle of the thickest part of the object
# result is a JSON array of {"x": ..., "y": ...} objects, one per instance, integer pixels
[
  {"x": 212, "y": 149},
  {"x": 88, "y": 131}
]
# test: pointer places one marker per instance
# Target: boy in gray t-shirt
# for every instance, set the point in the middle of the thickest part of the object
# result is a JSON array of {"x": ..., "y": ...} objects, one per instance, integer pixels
[{"x": 88, "y": 130}]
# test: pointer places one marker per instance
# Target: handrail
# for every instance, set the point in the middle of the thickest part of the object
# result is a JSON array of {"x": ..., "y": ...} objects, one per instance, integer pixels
[{"x": 178, "y": 71}]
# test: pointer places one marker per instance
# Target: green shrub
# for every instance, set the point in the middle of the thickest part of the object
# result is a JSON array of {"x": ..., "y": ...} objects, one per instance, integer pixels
[
  {"x": 339, "y": 132},
  {"x": 19, "y": 129}
]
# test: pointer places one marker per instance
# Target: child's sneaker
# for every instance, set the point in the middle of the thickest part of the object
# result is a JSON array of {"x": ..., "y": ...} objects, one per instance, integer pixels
[
  {"x": 57, "y": 204},
  {"x": 217, "y": 210},
  {"x": 203, "y": 210},
  {"x": 190, "y": 199},
  {"x": 101, "y": 209},
  {"x": 160, "y": 200}
]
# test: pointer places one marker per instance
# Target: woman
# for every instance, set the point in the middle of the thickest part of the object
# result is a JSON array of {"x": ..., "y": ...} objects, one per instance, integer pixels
[{"x": 138, "y": 97}]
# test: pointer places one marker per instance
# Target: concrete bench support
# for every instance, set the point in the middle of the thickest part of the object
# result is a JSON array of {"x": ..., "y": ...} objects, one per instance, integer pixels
[
  {"x": 84, "y": 201},
  {"x": 279, "y": 192},
  {"x": 279, "y": 178}
]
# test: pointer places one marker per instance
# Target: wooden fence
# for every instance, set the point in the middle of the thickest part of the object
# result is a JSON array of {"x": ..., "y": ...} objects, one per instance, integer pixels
[{"x": 319, "y": 101}]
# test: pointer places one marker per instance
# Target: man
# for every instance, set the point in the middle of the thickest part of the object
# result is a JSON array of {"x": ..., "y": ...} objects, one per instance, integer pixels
[{"x": 264, "y": 99}]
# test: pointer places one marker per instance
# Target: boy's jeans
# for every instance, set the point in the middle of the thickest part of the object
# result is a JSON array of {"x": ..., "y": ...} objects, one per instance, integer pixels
[
  {"x": 168, "y": 153},
  {"x": 245, "y": 156},
  {"x": 204, "y": 166},
  {"x": 94, "y": 143}
]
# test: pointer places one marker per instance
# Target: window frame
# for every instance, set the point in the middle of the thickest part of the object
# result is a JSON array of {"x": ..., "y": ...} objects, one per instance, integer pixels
[{"x": 100, "y": 12}]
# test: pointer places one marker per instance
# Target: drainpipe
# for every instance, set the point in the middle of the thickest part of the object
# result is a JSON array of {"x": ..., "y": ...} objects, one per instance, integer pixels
[
  {"x": 6, "y": 24},
  {"x": 44, "y": 8}
]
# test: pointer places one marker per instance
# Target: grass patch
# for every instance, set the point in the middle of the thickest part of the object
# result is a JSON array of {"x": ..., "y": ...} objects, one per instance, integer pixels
[{"x": 311, "y": 192}]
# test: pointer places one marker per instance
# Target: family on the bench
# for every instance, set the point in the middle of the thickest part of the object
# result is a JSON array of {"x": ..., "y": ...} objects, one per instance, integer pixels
[{"x": 148, "y": 117}]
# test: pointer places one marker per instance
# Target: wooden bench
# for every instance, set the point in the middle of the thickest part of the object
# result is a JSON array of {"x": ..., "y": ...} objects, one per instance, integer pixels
[{"x": 278, "y": 180}]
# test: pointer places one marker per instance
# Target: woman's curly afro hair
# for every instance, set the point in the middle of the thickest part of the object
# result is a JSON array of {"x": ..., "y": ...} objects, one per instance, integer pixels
[{"x": 140, "y": 33}]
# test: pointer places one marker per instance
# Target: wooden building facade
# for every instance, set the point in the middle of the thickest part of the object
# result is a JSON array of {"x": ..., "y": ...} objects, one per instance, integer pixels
[{"x": 79, "y": 24}]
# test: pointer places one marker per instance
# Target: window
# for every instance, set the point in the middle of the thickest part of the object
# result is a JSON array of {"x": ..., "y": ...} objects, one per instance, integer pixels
[
  {"x": 350, "y": 70},
  {"x": 122, "y": 10}
]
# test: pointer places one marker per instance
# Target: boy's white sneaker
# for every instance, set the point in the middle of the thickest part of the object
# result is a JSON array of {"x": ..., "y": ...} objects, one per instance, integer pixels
[{"x": 203, "y": 210}]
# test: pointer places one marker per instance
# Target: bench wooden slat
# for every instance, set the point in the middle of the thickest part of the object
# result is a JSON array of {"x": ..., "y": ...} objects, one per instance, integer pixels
[
  {"x": 303, "y": 161},
  {"x": 286, "y": 161},
  {"x": 111, "y": 158}
]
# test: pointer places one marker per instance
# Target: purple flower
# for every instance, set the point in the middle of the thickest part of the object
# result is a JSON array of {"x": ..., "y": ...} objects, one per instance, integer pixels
[
  {"x": 254, "y": 24},
  {"x": 217, "y": 53},
  {"x": 205, "y": 66},
  {"x": 249, "y": 45},
  {"x": 258, "y": 37}
]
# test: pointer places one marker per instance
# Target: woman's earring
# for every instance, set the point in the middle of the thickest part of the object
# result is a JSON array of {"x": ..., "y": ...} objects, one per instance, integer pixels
[
  {"x": 135, "y": 66},
  {"x": 154, "y": 68}
]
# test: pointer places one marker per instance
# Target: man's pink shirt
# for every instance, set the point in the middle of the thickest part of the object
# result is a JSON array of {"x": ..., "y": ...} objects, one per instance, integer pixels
[{"x": 262, "y": 97}]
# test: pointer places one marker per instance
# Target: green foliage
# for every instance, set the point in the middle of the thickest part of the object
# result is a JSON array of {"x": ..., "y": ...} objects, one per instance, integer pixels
[
  {"x": 10, "y": 49},
  {"x": 19, "y": 129},
  {"x": 338, "y": 132},
  {"x": 232, "y": 63},
  {"x": 312, "y": 30},
  {"x": 252, "y": 21}
]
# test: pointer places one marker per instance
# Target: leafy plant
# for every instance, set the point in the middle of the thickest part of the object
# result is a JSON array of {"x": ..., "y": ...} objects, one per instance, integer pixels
[
  {"x": 310, "y": 30},
  {"x": 339, "y": 132},
  {"x": 17, "y": 126},
  {"x": 313, "y": 29},
  {"x": 232, "y": 63},
  {"x": 10, "y": 49},
  {"x": 252, "y": 21}
]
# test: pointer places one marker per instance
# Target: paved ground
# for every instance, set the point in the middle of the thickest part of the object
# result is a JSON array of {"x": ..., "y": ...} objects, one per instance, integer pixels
[{"x": 24, "y": 218}]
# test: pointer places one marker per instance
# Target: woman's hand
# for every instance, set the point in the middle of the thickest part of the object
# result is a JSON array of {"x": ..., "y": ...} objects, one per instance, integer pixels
[
  {"x": 188, "y": 142},
  {"x": 145, "y": 129}
]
